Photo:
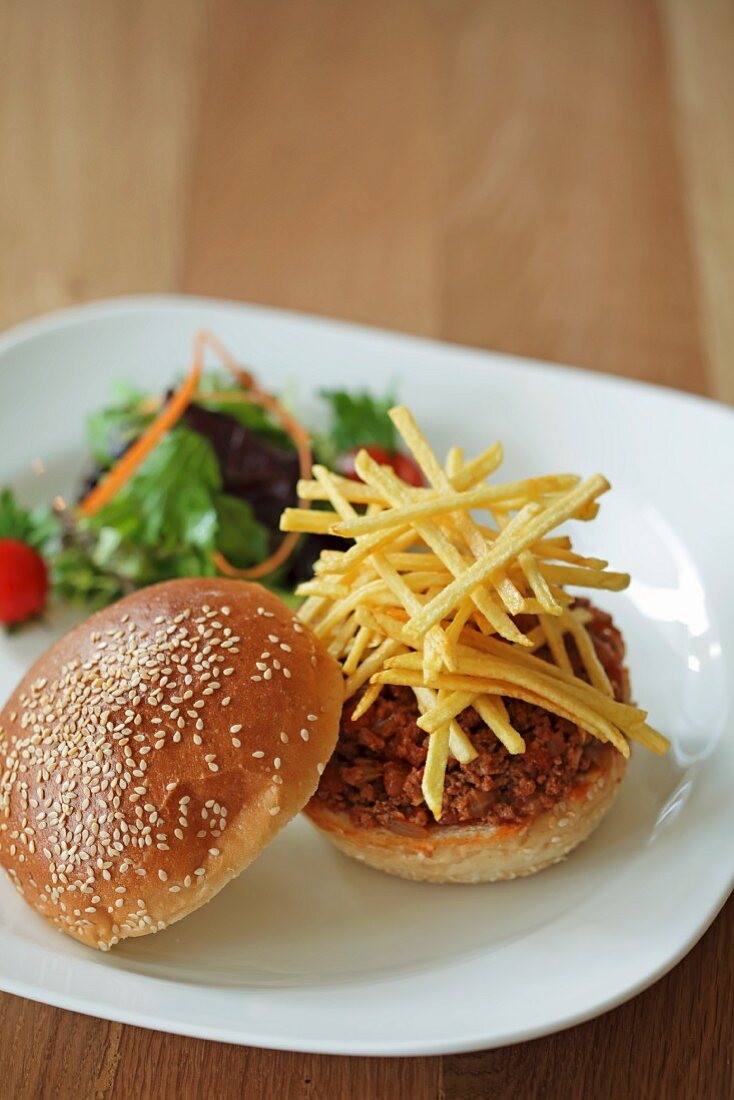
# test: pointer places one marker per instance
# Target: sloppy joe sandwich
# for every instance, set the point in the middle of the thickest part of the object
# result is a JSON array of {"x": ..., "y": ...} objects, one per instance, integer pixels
[{"x": 488, "y": 720}]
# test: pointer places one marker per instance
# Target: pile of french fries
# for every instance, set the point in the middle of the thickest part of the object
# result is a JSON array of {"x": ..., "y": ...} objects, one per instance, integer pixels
[{"x": 428, "y": 597}]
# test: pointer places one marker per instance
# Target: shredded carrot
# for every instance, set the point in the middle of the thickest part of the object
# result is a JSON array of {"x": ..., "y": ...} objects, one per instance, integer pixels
[
  {"x": 295, "y": 430},
  {"x": 264, "y": 567},
  {"x": 166, "y": 419}
]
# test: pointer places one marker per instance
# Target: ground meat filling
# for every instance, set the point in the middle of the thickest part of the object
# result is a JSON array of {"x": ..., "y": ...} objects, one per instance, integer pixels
[{"x": 376, "y": 771}]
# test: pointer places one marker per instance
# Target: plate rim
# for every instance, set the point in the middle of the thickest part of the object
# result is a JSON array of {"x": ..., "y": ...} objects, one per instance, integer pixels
[
  {"x": 348, "y": 1047},
  {"x": 98, "y": 308}
]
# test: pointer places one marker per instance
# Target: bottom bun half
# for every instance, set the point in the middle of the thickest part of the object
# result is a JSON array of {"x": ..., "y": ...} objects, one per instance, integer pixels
[{"x": 479, "y": 853}]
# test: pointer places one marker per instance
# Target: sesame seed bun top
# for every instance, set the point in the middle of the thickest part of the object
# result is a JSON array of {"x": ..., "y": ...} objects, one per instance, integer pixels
[{"x": 151, "y": 754}]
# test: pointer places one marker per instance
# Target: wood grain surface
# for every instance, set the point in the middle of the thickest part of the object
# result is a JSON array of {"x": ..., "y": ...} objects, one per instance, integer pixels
[{"x": 547, "y": 177}]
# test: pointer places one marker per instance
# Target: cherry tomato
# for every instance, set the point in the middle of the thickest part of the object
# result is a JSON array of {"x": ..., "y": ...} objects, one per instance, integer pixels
[
  {"x": 403, "y": 465},
  {"x": 407, "y": 469},
  {"x": 23, "y": 581}
]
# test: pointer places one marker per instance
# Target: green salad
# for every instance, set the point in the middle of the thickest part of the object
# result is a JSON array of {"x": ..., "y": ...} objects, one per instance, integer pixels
[{"x": 205, "y": 500}]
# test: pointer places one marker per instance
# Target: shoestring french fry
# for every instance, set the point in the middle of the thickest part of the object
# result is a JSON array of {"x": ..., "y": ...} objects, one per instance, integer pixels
[{"x": 430, "y": 596}]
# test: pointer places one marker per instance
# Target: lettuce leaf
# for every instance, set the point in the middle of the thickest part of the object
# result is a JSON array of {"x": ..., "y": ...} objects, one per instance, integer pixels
[
  {"x": 40, "y": 527},
  {"x": 112, "y": 429},
  {"x": 357, "y": 420},
  {"x": 165, "y": 522},
  {"x": 169, "y": 501},
  {"x": 76, "y": 578},
  {"x": 240, "y": 537}
]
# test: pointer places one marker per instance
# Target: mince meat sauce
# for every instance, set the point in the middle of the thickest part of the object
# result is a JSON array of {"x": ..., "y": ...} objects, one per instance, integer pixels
[{"x": 376, "y": 771}]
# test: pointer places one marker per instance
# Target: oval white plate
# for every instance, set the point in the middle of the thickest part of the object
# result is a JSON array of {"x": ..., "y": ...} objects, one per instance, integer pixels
[{"x": 307, "y": 950}]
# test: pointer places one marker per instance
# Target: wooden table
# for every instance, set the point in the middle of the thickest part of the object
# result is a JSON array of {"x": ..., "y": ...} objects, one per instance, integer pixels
[{"x": 547, "y": 177}]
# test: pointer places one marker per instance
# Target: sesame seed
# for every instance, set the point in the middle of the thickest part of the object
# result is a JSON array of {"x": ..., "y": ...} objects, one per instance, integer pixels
[
  {"x": 274, "y": 810},
  {"x": 276, "y": 762},
  {"x": 78, "y": 726},
  {"x": 214, "y": 851},
  {"x": 162, "y": 875},
  {"x": 258, "y": 755},
  {"x": 305, "y": 734},
  {"x": 320, "y": 768},
  {"x": 284, "y": 738},
  {"x": 311, "y": 717}
]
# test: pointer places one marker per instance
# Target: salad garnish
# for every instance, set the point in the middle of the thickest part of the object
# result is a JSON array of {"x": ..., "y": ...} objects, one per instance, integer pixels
[
  {"x": 171, "y": 414},
  {"x": 191, "y": 483}
]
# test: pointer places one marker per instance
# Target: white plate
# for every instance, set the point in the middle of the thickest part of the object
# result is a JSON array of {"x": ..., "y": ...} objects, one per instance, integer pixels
[{"x": 309, "y": 951}]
